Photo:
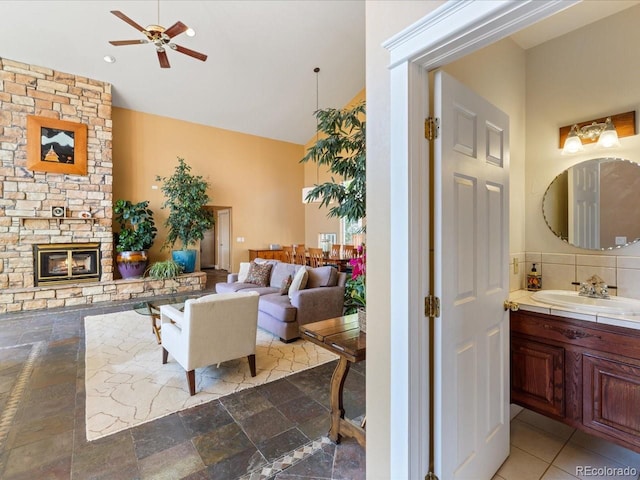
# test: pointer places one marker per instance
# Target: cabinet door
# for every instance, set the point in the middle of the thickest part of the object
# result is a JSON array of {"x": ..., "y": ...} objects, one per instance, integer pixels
[
  {"x": 537, "y": 375},
  {"x": 611, "y": 398}
]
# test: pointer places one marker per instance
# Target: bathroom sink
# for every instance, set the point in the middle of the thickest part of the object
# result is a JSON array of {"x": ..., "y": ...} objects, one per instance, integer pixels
[{"x": 568, "y": 299}]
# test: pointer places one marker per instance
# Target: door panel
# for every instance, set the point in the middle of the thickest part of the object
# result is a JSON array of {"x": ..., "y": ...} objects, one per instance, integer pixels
[
  {"x": 471, "y": 278},
  {"x": 224, "y": 240}
]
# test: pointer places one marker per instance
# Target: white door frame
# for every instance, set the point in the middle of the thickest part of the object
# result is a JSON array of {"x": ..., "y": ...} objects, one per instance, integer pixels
[
  {"x": 219, "y": 239},
  {"x": 448, "y": 33}
]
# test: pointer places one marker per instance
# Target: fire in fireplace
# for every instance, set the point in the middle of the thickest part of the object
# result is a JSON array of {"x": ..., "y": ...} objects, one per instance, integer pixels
[{"x": 66, "y": 263}]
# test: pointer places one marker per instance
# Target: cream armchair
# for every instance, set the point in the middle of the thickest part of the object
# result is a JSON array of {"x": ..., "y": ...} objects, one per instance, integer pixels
[{"x": 212, "y": 329}]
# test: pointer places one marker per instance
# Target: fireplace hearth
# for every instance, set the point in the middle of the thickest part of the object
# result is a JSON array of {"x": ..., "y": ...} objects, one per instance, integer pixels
[{"x": 58, "y": 263}]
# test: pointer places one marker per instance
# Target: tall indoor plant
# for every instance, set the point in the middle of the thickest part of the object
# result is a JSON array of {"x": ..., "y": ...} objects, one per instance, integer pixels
[
  {"x": 185, "y": 197},
  {"x": 341, "y": 147},
  {"x": 136, "y": 234}
]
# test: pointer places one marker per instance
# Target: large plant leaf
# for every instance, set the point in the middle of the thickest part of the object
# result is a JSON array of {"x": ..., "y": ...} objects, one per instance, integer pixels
[{"x": 342, "y": 148}]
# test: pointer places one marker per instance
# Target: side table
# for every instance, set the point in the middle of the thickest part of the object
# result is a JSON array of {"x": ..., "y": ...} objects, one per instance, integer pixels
[
  {"x": 343, "y": 337},
  {"x": 152, "y": 309}
]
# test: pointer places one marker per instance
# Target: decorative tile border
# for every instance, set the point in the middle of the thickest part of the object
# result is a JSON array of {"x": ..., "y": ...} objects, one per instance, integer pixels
[
  {"x": 17, "y": 392},
  {"x": 269, "y": 471}
]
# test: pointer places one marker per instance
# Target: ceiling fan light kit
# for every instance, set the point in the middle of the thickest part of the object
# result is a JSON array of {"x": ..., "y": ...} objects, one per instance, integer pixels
[{"x": 160, "y": 37}]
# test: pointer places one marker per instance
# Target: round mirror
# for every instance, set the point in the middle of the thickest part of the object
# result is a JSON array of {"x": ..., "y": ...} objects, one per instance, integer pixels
[{"x": 594, "y": 204}]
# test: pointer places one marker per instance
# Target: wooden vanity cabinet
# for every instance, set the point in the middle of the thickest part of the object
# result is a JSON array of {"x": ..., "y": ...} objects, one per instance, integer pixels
[{"x": 585, "y": 374}]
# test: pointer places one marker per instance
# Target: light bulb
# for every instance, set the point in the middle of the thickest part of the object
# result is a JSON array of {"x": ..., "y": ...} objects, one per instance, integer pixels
[
  {"x": 609, "y": 136},
  {"x": 572, "y": 144}
]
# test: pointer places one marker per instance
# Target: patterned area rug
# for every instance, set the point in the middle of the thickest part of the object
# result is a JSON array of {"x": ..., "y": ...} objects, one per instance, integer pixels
[{"x": 126, "y": 383}]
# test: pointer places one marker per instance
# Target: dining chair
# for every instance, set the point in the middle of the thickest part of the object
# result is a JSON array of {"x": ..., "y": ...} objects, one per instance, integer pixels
[
  {"x": 316, "y": 257},
  {"x": 335, "y": 250},
  {"x": 348, "y": 251},
  {"x": 287, "y": 250},
  {"x": 300, "y": 255}
]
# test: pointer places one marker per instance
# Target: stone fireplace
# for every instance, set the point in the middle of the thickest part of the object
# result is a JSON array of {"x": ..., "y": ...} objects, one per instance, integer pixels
[{"x": 27, "y": 196}]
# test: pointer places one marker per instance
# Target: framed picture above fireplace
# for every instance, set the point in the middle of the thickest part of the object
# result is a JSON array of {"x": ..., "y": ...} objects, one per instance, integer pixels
[{"x": 56, "y": 146}]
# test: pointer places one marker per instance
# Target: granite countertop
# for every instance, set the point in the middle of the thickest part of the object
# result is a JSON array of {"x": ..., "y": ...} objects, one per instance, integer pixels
[{"x": 526, "y": 303}]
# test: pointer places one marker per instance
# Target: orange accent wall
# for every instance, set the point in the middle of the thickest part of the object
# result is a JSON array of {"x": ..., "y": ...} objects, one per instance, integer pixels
[{"x": 258, "y": 178}]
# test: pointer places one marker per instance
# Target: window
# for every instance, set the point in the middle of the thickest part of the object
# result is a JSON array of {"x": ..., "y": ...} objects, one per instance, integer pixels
[
  {"x": 325, "y": 240},
  {"x": 349, "y": 229}
]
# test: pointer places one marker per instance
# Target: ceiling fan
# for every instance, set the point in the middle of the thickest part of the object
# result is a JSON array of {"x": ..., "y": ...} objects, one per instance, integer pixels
[{"x": 160, "y": 37}]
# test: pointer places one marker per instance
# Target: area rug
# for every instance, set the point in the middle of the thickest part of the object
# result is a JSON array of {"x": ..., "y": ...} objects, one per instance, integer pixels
[{"x": 126, "y": 383}]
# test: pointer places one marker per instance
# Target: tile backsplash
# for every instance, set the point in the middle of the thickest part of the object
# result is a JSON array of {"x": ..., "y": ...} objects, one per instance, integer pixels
[{"x": 558, "y": 270}]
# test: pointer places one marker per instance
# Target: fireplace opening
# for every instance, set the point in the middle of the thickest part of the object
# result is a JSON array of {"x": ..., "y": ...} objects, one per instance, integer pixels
[{"x": 66, "y": 263}]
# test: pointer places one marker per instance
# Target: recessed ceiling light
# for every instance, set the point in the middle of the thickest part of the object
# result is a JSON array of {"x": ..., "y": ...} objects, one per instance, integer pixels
[
  {"x": 190, "y": 32},
  {"x": 109, "y": 58}
]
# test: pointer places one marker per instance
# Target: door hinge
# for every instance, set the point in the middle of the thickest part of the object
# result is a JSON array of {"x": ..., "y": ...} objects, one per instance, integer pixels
[
  {"x": 430, "y": 476},
  {"x": 431, "y": 128},
  {"x": 431, "y": 306}
]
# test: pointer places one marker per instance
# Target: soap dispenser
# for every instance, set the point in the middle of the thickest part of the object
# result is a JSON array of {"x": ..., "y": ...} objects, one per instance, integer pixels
[{"x": 534, "y": 280}]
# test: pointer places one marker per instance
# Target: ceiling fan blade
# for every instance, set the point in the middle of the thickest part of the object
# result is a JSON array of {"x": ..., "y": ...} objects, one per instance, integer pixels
[
  {"x": 117, "y": 43},
  {"x": 175, "y": 29},
  {"x": 188, "y": 51},
  {"x": 164, "y": 60},
  {"x": 123, "y": 17}
]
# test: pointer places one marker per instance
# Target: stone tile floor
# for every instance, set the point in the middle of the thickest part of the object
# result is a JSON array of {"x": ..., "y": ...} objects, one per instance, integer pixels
[{"x": 276, "y": 430}]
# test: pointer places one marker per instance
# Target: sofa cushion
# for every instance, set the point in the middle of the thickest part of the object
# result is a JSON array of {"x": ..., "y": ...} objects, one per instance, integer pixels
[
  {"x": 299, "y": 281},
  {"x": 278, "y": 306},
  {"x": 281, "y": 271},
  {"x": 286, "y": 283},
  {"x": 244, "y": 271},
  {"x": 322, "y": 277},
  {"x": 259, "y": 274},
  {"x": 239, "y": 287}
]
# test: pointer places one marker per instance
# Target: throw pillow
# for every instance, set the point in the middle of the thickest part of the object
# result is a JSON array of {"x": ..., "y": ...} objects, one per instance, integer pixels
[
  {"x": 299, "y": 281},
  {"x": 286, "y": 283},
  {"x": 244, "y": 271},
  {"x": 259, "y": 274}
]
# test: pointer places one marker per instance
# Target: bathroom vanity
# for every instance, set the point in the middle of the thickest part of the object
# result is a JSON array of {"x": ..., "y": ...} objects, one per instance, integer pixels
[{"x": 584, "y": 373}]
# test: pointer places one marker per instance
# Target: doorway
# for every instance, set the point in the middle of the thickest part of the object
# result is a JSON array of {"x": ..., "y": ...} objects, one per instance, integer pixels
[
  {"x": 448, "y": 33},
  {"x": 215, "y": 247}
]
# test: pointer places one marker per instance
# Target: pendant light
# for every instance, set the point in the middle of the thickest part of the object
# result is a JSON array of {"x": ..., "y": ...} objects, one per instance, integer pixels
[{"x": 306, "y": 190}]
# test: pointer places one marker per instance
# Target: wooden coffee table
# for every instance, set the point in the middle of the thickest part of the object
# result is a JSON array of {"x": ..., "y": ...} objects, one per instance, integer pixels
[{"x": 343, "y": 337}]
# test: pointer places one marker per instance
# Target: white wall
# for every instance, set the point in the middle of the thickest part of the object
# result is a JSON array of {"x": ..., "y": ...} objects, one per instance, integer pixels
[
  {"x": 383, "y": 19},
  {"x": 586, "y": 74}
]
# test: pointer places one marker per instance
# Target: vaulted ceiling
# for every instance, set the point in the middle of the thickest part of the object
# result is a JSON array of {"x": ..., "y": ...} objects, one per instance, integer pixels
[{"x": 258, "y": 77}]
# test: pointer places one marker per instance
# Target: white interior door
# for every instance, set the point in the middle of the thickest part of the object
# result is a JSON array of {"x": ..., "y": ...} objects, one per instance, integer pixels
[
  {"x": 584, "y": 205},
  {"x": 471, "y": 244},
  {"x": 224, "y": 239}
]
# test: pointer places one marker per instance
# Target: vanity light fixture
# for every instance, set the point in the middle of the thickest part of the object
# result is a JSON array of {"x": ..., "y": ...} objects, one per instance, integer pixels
[{"x": 605, "y": 131}]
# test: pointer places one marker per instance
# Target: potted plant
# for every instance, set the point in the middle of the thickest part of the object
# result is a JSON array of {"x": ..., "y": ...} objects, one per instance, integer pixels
[
  {"x": 342, "y": 149},
  {"x": 136, "y": 236},
  {"x": 188, "y": 220},
  {"x": 164, "y": 269}
]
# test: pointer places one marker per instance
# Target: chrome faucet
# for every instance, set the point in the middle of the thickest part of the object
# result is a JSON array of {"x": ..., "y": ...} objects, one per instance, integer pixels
[{"x": 594, "y": 287}]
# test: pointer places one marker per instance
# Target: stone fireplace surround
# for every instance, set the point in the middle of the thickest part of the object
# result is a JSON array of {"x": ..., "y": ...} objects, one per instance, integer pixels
[{"x": 26, "y": 196}]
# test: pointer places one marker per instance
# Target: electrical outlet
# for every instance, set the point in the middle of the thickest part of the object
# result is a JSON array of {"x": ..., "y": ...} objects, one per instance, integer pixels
[{"x": 515, "y": 266}]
